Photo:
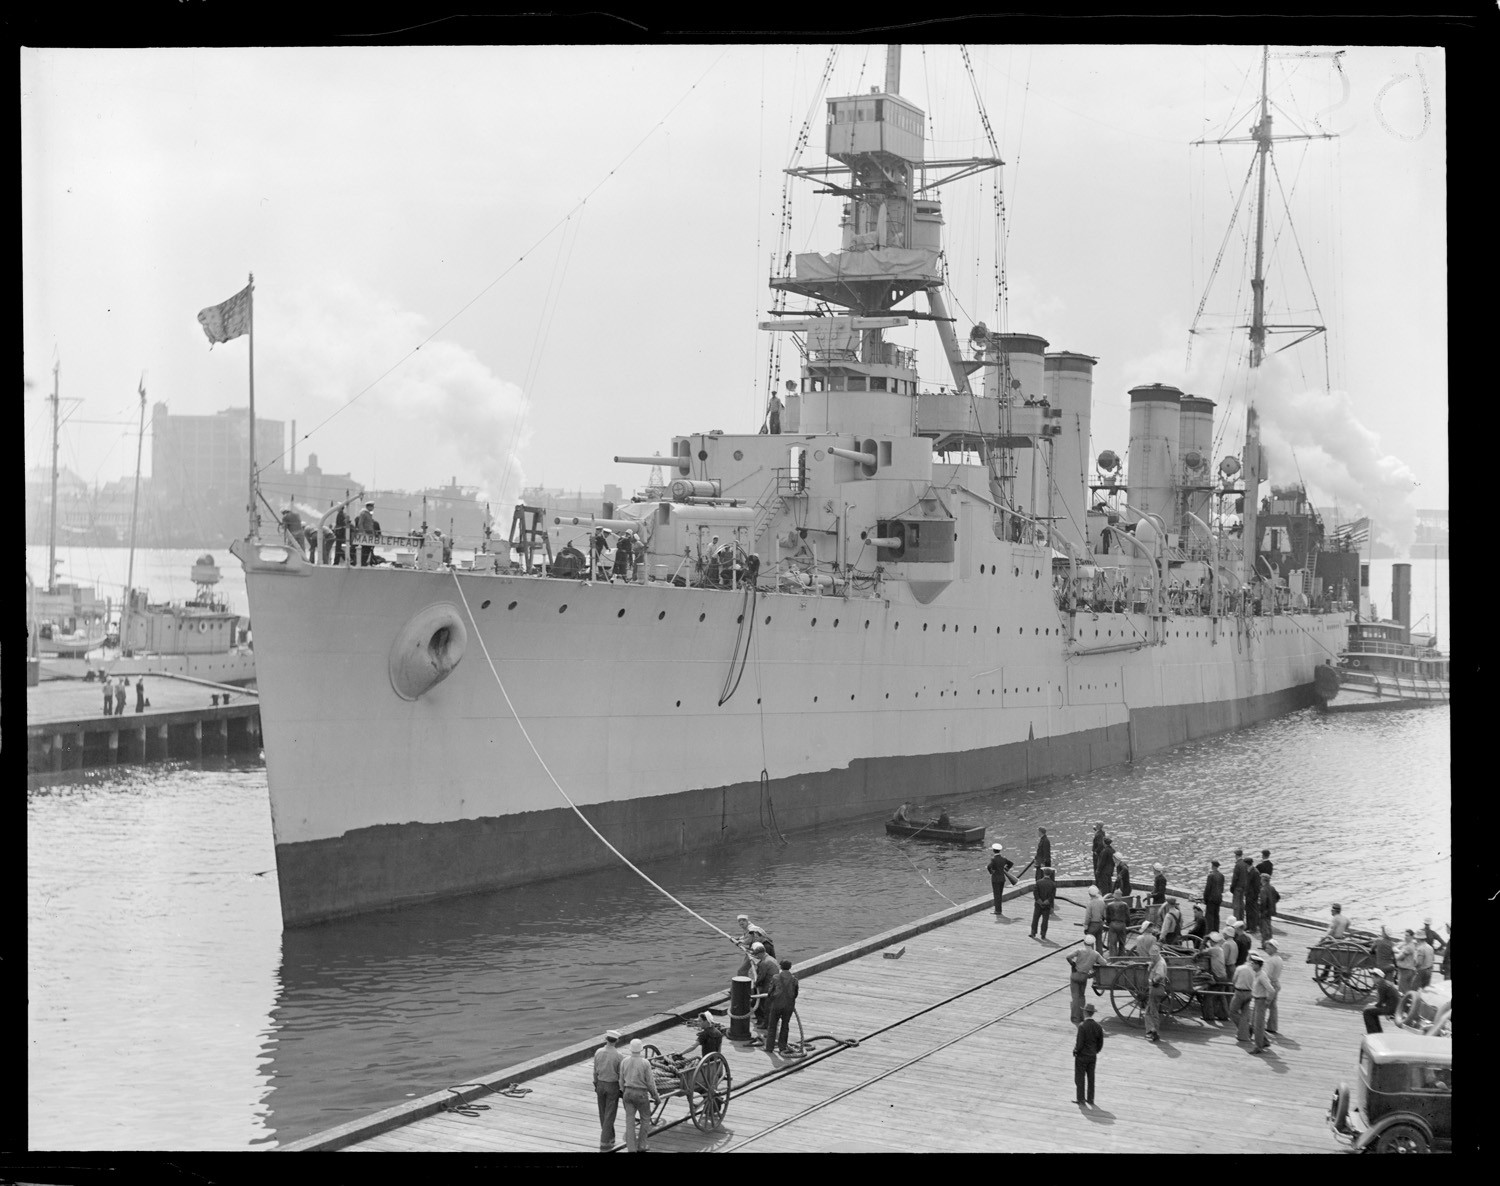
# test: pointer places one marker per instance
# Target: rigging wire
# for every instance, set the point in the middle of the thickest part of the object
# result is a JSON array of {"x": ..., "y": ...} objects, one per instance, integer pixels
[
  {"x": 553, "y": 778},
  {"x": 462, "y": 309}
]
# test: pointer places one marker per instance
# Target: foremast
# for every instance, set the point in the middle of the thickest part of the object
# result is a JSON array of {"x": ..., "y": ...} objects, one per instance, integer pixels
[{"x": 891, "y": 247}]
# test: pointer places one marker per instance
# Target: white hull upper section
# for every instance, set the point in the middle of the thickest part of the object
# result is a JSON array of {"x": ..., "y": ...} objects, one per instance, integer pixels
[{"x": 619, "y": 685}]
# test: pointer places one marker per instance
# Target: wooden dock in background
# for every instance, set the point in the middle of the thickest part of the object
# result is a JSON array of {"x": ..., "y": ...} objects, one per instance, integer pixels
[
  {"x": 67, "y": 732},
  {"x": 963, "y": 1045}
]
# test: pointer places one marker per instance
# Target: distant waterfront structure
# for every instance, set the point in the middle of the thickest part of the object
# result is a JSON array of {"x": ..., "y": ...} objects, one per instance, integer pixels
[
  {"x": 573, "y": 502},
  {"x": 208, "y": 456}
]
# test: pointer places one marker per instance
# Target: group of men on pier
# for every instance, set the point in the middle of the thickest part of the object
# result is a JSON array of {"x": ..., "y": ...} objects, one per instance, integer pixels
[{"x": 630, "y": 1079}]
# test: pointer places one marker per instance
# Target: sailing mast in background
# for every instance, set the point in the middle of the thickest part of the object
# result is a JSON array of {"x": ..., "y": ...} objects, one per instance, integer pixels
[
  {"x": 135, "y": 503},
  {"x": 52, "y": 529},
  {"x": 1261, "y": 136}
]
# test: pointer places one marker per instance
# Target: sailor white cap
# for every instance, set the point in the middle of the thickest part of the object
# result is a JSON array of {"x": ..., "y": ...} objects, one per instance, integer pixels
[
  {"x": 1258, "y": 957},
  {"x": 635, "y": 1046},
  {"x": 757, "y": 947},
  {"x": 612, "y": 1035},
  {"x": 997, "y": 847},
  {"x": 1215, "y": 937},
  {"x": 741, "y": 918},
  {"x": 1157, "y": 866}
]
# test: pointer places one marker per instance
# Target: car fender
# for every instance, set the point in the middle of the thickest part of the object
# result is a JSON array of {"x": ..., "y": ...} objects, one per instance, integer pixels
[{"x": 1372, "y": 1134}]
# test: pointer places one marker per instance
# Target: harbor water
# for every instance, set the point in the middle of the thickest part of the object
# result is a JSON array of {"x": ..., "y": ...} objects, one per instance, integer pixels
[{"x": 167, "y": 1010}]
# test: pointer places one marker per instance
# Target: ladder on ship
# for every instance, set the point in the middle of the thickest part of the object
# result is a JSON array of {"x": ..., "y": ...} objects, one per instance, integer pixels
[{"x": 528, "y": 536}]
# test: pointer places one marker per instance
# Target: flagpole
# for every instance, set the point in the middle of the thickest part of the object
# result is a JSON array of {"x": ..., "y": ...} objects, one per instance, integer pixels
[{"x": 250, "y": 506}]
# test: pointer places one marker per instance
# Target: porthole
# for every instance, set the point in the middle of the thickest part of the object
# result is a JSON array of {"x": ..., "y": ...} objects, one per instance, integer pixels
[
  {"x": 835, "y": 623},
  {"x": 620, "y": 614},
  {"x": 867, "y": 623},
  {"x": 512, "y": 605},
  {"x": 661, "y": 615},
  {"x": 1020, "y": 629},
  {"x": 945, "y": 627},
  {"x": 976, "y": 629},
  {"x": 739, "y": 455},
  {"x": 1039, "y": 574},
  {"x": 815, "y": 621},
  {"x": 768, "y": 619},
  {"x": 815, "y": 699},
  {"x": 485, "y": 604},
  {"x": 898, "y": 625},
  {"x": 1018, "y": 572},
  {"x": 701, "y": 617},
  {"x": 851, "y": 695},
  {"x": 562, "y": 609},
  {"x": 887, "y": 695},
  {"x": 679, "y": 704}
]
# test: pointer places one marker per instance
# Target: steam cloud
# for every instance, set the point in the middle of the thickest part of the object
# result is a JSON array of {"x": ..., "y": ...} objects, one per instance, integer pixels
[
  {"x": 440, "y": 413},
  {"x": 1339, "y": 457}
]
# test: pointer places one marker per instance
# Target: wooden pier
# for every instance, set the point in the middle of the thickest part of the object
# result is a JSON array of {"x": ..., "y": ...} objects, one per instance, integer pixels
[
  {"x": 964, "y": 1044},
  {"x": 67, "y": 731}
]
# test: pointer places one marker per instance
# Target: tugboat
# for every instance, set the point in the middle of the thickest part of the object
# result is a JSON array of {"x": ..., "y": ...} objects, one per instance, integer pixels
[{"x": 1386, "y": 664}]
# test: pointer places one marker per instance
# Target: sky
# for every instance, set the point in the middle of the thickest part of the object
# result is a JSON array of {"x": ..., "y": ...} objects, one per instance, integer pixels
[{"x": 517, "y": 262}]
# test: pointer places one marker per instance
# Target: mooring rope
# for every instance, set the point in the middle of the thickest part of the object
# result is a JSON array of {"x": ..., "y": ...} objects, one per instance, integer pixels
[{"x": 553, "y": 778}]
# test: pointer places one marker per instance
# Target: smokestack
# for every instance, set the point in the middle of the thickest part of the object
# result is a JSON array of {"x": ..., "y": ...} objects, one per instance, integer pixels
[
  {"x": 1026, "y": 373},
  {"x": 1069, "y": 380},
  {"x": 1401, "y": 594},
  {"x": 893, "y": 69},
  {"x": 1153, "y": 465},
  {"x": 1195, "y": 440}
]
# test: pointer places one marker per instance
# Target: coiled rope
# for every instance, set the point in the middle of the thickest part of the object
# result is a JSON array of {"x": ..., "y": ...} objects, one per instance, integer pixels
[{"x": 553, "y": 778}]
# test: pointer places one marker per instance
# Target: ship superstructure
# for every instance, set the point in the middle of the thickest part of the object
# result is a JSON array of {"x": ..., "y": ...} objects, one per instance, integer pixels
[{"x": 895, "y": 585}]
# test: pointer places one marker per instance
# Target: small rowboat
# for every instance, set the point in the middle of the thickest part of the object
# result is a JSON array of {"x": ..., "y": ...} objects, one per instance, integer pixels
[{"x": 952, "y": 834}]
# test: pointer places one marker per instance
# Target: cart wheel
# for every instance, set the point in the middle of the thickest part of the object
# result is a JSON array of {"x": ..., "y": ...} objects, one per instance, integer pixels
[
  {"x": 1175, "y": 1002},
  {"x": 1336, "y": 985},
  {"x": 1361, "y": 982},
  {"x": 651, "y": 1053},
  {"x": 708, "y": 1093},
  {"x": 1126, "y": 1003}
]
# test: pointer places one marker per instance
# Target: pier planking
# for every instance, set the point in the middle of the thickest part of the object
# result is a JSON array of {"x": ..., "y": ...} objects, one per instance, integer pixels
[{"x": 1006, "y": 1086}]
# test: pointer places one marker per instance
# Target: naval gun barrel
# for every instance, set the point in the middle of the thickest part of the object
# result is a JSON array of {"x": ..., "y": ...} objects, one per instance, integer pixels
[
  {"x": 880, "y": 541},
  {"x": 681, "y": 463},
  {"x": 595, "y": 521},
  {"x": 853, "y": 455}
]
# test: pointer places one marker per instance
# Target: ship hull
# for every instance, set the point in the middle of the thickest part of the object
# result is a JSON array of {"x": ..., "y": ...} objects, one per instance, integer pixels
[{"x": 379, "y": 800}]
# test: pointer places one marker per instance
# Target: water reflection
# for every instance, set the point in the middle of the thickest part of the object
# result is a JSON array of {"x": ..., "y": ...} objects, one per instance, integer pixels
[{"x": 410, "y": 1001}]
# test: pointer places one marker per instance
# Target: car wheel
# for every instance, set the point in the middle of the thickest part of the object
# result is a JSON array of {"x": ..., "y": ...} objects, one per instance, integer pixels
[
  {"x": 1402, "y": 1138},
  {"x": 1338, "y": 1110}
]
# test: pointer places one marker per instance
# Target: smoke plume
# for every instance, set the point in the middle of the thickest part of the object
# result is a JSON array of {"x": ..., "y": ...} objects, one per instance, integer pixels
[
  {"x": 1341, "y": 460},
  {"x": 440, "y": 413}
]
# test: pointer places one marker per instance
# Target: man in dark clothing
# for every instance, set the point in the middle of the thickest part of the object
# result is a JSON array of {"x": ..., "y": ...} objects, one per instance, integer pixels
[
  {"x": 1045, "y": 890},
  {"x": 1265, "y": 865},
  {"x": 1117, "y": 918},
  {"x": 1242, "y": 942},
  {"x": 1252, "y": 897},
  {"x": 1237, "y": 883},
  {"x": 140, "y": 695},
  {"x": 780, "y": 1002},
  {"x": 607, "y": 1061},
  {"x": 999, "y": 867},
  {"x": 1387, "y": 997},
  {"x": 1043, "y": 859},
  {"x": 1266, "y": 908},
  {"x": 1213, "y": 895},
  {"x": 1086, "y": 1046},
  {"x": 340, "y": 535},
  {"x": 765, "y": 967},
  {"x": 1122, "y": 877},
  {"x": 120, "y": 696},
  {"x": 1158, "y": 886},
  {"x": 109, "y": 699},
  {"x": 1104, "y": 869},
  {"x": 1099, "y": 840}
]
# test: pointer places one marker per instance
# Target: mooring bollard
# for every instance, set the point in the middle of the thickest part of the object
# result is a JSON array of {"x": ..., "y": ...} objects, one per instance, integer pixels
[{"x": 739, "y": 1009}]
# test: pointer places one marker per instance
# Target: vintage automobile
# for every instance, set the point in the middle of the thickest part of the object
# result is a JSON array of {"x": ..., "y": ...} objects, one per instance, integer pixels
[
  {"x": 1427, "y": 1010},
  {"x": 1402, "y": 1101}
]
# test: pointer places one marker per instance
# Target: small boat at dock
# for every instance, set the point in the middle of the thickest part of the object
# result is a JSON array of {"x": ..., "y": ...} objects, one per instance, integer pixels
[{"x": 953, "y": 833}]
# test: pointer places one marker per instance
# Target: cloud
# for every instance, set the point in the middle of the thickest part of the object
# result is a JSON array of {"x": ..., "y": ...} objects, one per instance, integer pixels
[{"x": 438, "y": 413}]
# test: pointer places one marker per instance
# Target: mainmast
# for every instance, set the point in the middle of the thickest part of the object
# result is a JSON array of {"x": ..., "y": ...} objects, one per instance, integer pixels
[
  {"x": 1261, "y": 133},
  {"x": 52, "y": 529}
]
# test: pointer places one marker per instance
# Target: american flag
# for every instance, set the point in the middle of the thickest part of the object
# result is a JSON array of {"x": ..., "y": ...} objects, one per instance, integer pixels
[{"x": 1353, "y": 535}]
